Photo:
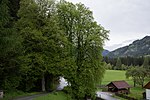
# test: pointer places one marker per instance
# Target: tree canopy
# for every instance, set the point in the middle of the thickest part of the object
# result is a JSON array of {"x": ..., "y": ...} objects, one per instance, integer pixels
[
  {"x": 138, "y": 75},
  {"x": 86, "y": 38},
  {"x": 55, "y": 39}
]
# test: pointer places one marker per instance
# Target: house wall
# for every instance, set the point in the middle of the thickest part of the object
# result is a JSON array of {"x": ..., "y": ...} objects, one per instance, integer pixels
[{"x": 148, "y": 94}]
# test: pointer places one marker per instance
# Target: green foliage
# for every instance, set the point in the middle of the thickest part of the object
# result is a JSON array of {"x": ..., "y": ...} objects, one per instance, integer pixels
[
  {"x": 132, "y": 73},
  {"x": 55, "y": 39},
  {"x": 124, "y": 67},
  {"x": 12, "y": 94},
  {"x": 11, "y": 83},
  {"x": 128, "y": 61},
  {"x": 137, "y": 92},
  {"x": 138, "y": 75},
  {"x": 14, "y": 5},
  {"x": 86, "y": 38},
  {"x": 146, "y": 63},
  {"x": 32, "y": 41},
  {"x": 9, "y": 49},
  {"x": 118, "y": 64},
  {"x": 67, "y": 90},
  {"x": 108, "y": 66},
  {"x": 43, "y": 41}
]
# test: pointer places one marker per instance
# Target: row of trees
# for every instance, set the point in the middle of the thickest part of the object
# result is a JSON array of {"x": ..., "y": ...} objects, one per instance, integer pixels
[
  {"x": 118, "y": 63},
  {"x": 128, "y": 61},
  {"x": 41, "y": 40}
]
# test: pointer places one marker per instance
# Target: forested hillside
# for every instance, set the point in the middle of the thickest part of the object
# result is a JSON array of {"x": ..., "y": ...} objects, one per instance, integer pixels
[{"x": 136, "y": 49}]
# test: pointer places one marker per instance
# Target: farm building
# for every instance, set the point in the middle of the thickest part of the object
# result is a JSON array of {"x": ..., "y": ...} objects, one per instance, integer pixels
[
  {"x": 147, "y": 87},
  {"x": 121, "y": 87}
]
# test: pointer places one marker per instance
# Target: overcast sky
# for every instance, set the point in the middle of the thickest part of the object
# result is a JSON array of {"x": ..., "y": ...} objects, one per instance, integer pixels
[{"x": 127, "y": 20}]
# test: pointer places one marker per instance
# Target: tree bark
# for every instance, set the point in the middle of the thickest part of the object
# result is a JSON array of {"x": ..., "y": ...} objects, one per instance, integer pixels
[{"x": 43, "y": 83}]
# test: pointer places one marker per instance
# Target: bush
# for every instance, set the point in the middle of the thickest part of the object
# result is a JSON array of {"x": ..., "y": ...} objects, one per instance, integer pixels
[
  {"x": 125, "y": 96},
  {"x": 67, "y": 90}
]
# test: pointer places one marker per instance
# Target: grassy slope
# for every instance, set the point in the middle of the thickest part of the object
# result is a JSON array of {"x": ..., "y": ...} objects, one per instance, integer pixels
[
  {"x": 114, "y": 75},
  {"x": 55, "y": 96}
]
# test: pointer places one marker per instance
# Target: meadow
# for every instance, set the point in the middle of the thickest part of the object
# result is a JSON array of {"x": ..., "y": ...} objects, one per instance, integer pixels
[{"x": 115, "y": 75}]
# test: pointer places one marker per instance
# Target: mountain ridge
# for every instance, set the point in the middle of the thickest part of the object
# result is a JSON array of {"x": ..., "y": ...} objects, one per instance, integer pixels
[
  {"x": 105, "y": 52},
  {"x": 138, "y": 47}
]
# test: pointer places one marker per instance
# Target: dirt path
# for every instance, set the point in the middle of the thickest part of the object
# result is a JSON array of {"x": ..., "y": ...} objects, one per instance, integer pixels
[{"x": 30, "y": 97}]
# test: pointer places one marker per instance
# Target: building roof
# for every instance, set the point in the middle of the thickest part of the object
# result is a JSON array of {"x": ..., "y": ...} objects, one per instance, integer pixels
[
  {"x": 120, "y": 84},
  {"x": 147, "y": 86}
]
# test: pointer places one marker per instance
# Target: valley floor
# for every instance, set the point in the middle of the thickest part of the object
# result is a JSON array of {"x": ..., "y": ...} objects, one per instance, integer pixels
[{"x": 115, "y": 75}]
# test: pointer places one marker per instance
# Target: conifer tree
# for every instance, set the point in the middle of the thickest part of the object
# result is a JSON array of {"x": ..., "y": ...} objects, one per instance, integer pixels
[
  {"x": 118, "y": 64},
  {"x": 146, "y": 63}
]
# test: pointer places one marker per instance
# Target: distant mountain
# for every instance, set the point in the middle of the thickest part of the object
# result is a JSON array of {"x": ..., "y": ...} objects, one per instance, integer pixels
[
  {"x": 105, "y": 52},
  {"x": 137, "y": 48}
]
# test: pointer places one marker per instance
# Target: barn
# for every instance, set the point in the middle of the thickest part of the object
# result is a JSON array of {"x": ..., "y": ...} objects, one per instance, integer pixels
[
  {"x": 121, "y": 87},
  {"x": 147, "y": 87}
]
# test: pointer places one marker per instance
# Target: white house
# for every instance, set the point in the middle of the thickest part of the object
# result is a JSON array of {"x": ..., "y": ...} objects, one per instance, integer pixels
[{"x": 147, "y": 87}]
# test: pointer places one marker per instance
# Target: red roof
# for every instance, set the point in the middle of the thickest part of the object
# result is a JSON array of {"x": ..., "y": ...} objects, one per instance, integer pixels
[
  {"x": 120, "y": 84},
  {"x": 147, "y": 86}
]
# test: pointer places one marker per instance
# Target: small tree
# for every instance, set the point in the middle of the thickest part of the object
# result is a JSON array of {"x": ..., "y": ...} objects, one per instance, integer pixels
[
  {"x": 123, "y": 67},
  {"x": 141, "y": 75},
  {"x": 118, "y": 64},
  {"x": 109, "y": 66},
  {"x": 132, "y": 73},
  {"x": 138, "y": 75},
  {"x": 146, "y": 63}
]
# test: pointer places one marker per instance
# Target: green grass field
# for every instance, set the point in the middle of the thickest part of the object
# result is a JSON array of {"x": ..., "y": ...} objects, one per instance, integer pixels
[
  {"x": 55, "y": 96},
  {"x": 115, "y": 75}
]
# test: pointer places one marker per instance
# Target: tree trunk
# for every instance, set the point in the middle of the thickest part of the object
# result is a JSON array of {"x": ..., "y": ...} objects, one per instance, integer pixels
[
  {"x": 134, "y": 83},
  {"x": 43, "y": 83},
  {"x": 142, "y": 83}
]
